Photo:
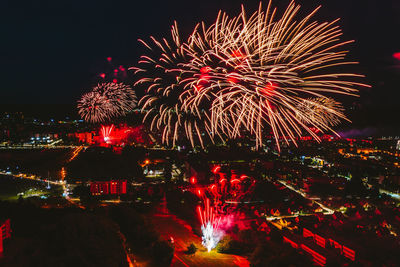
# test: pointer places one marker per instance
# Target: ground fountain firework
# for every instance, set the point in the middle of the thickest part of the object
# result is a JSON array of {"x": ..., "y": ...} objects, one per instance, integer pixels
[{"x": 210, "y": 226}]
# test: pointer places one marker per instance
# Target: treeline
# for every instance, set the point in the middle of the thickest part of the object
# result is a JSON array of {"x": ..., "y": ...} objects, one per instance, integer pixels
[
  {"x": 99, "y": 236},
  {"x": 262, "y": 249},
  {"x": 141, "y": 236},
  {"x": 60, "y": 237},
  {"x": 98, "y": 163}
]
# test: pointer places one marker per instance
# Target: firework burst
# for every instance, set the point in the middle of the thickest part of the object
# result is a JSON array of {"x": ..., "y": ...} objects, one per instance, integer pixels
[
  {"x": 247, "y": 76},
  {"x": 105, "y": 101},
  {"x": 323, "y": 111}
]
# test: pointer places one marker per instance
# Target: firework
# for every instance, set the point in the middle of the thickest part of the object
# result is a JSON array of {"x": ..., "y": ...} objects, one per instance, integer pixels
[
  {"x": 106, "y": 133},
  {"x": 105, "y": 101},
  {"x": 323, "y": 111},
  {"x": 247, "y": 76},
  {"x": 210, "y": 223}
]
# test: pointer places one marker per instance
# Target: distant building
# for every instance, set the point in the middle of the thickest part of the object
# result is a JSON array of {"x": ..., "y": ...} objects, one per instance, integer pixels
[
  {"x": 86, "y": 137},
  {"x": 114, "y": 187}
]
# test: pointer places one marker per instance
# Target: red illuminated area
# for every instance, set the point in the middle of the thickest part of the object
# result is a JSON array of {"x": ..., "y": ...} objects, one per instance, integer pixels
[
  {"x": 114, "y": 187},
  {"x": 85, "y": 137},
  {"x": 268, "y": 90},
  {"x": 232, "y": 78},
  {"x": 204, "y": 78},
  {"x": 312, "y": 244},
  {"x": 5, "y": 232},
  {"x": 238, "y": 54},
  {"x": 110, "y": 135},
  {"x": 397, "y": 55},
  {"x": 193, "y": 180}
]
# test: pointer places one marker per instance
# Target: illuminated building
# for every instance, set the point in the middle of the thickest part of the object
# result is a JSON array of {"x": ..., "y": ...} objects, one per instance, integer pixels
[
  {"x": 5, "y": 232},
  {"x": 86, "y": 137},
  {"x": 113, "y": 187},
  {"x": 318, "y": 247}
]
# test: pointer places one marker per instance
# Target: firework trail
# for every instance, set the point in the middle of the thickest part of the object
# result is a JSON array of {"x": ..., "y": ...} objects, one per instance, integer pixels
[
  {"x": 247, "y": 76},
  {"x": 323, "y": 111},
  {"x": 105, "y": 101}
]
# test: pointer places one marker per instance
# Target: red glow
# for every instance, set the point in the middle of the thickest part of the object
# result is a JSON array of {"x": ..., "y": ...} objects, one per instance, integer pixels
[
  {"x": 116, "y": 70},
  {"x": 109, "y": 59},
  {"x": 199, "y": 211},
  {"x": 235, "y": 181},
  {"x": 205, "y": 69},
  {"x": 268, "y": 90},
  {"x": 223, "y": 180},
  {"x": 115, "y": 81},
  {"x": 5, "y": 232},
  {"x": 318, "y": 258},
  {"x": 292, "y": 243},
  {"x": 319, "y": 240},
  {"x": 307, "y": 233},
  {"x": 102, "y": 75},
  {"x": 199, "y": 192},
  {"x": 198, "y": 87},
  {"x": 116, "y": 187},
  {"x": 110, "y": 135},
  {"x": 193, "y": 180},
  {"x": 397, "y": 55},
  {"x": 243, "y": 176},
  {"x": 204, "y": 78},
  {"x": 121, "y": 68},
  {"x": 232, "y": 79},
  {"x": 349, "y": 253},
  {"x": 106, "y": 133},
  {"x": 238, "y": 54},
  {"x": 216, "y": 169},
  {"x": 315, "y": 130},
  {"x": 209, "y": 218}
]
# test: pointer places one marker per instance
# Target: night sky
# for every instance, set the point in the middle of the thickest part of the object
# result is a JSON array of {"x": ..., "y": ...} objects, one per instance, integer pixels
[{"x": 53, "y": 51}]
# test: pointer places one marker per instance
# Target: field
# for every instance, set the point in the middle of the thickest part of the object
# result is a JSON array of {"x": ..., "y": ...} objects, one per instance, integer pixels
[{"x": 10, "y": 187}]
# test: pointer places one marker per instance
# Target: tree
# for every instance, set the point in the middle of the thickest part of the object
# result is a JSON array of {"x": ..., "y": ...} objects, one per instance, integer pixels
[
  {"x": 163, "y": 252},
  {"x": 167, "y": 171},
  {"x": 191, "y": 249},
  {"x": 230, "y": 245}
]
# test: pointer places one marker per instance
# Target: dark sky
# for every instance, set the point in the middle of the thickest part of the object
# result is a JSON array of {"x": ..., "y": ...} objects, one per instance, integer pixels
[{"x": 53, "y": 51}]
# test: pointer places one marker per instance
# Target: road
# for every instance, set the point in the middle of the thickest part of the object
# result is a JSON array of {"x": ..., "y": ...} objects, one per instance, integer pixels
[
  {"x": 170, "y": 226},
  {"x": 38, "y": 146},
  {"x": 32, "y": 177},
  {"x": 327, "y": 210},
  {"x": 48, "y": 181}
]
